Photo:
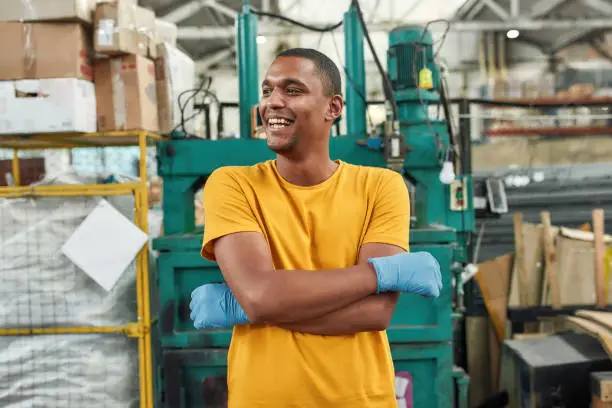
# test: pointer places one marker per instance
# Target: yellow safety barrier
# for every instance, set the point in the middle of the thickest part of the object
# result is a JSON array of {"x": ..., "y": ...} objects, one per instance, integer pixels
[{"x": 139, "y": 329}]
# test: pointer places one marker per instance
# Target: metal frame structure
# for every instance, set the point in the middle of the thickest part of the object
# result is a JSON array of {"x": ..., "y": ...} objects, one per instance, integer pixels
[
  {"x": 248, "y": 71},
  {"x": 557, "y": 23},
  {"x": 546, "y": 17},
  {"x": 463, "y": 20},
  {"x": 140, "y": 329}
]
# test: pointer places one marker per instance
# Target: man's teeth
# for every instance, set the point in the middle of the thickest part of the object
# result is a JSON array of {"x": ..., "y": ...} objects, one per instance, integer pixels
[{"x": 278, "y": 123}]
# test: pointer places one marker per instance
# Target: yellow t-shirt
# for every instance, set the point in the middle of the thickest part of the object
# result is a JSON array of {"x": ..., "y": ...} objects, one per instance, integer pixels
[{"x": 312, "y": 228}]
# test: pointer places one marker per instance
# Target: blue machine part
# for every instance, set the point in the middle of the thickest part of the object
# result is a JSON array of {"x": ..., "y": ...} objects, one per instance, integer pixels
[
  {"x": 355, "y": 70},
  {"x": 410, "y": 50},
  {"x": 416, "y": 82}
]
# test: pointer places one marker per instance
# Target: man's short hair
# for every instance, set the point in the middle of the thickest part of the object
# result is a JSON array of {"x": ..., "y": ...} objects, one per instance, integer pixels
[{"x": 327, "y": 70}]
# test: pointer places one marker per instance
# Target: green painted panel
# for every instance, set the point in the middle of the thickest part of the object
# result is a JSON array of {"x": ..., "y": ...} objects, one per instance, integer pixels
[
  {"x": 420, "y": 319},
  {"x": 192, "y": 379},
  {"x": 416, "y": 319},
  {"x": 193, "y": 241},
  {"x": 199, "y": 157},
  {"x": 185, "y": 163},
  {"x": 197, "y": 378},
  {"x": 179, "y": 273},
  {"x": 431, "y": 369}
]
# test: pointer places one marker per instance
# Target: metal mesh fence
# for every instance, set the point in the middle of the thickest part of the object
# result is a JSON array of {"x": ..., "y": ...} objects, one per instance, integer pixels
[
  {"x": 69, "y": 371},
  {"x": 42, "y": 287},
  {"x": 123, "y": 160},
  {"x": 89, "y": 161},
  {"x": 74, "y": 259},
  {"x": 75, "y": 345}
]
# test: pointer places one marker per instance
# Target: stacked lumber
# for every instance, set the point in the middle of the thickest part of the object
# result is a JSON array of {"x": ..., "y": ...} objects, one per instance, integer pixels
[
  {"x": 558, "y": 266},
  {"x": 552, "y": 267}
]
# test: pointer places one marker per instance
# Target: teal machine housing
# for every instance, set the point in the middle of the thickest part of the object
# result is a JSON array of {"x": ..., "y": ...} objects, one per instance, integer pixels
[{"x": 191, "y": 364}]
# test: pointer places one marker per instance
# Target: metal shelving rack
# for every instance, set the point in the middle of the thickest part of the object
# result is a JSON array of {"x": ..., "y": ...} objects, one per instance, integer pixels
[
  {"x": 548, "y": 104},
  {"x": 474, "y": 302}
]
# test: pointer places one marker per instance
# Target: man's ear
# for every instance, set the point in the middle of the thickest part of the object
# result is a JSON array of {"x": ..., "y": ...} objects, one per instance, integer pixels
[{"x": 335, "y": 107}]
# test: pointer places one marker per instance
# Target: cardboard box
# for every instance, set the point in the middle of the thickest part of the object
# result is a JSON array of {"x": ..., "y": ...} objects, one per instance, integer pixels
[
  {"x": 601, "y": 385},
  {"x": 165, "y": 32},
  {"x": 175, "y": 73},
  {"x": 31, "y": 51},
  {"x": 48, "y": 10},
  {"x": 47, "y": 106},
  {"x": 125, "y": 93},
  {"x": 122, "y": 28},
  {"x": 598, "y": 403},
  {"x": 132, "y": 2}
]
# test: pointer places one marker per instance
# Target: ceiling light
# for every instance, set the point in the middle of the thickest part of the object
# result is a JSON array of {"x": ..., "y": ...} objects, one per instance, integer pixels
[{"x": 512, "y": 34}]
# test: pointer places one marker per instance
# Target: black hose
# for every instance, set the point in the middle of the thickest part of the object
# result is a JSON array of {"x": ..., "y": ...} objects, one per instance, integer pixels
[
  {"x": 386, "y": 81},
  {"x": 297, "y": 23},
  {"x": 447, "y": 112}
]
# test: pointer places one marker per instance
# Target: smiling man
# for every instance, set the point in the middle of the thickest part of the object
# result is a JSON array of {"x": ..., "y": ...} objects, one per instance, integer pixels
[{"x": 313, "y": 252}]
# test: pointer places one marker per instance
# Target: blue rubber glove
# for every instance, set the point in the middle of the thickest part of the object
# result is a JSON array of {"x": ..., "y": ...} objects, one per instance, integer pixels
[
  {"x": 213, "y": 306},
  {"x": 413, "y": 272}
]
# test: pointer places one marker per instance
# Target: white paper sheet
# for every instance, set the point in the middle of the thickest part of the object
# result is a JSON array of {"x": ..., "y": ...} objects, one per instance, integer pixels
[{"x": 105, "y": 244}]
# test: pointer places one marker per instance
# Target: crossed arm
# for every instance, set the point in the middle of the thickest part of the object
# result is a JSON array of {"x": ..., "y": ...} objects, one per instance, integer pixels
[{"x": 331, "y": 302}]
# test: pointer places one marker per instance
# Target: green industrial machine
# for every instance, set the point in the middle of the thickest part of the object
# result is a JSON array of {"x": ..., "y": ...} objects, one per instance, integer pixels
[{"x": 192, "y": 363}]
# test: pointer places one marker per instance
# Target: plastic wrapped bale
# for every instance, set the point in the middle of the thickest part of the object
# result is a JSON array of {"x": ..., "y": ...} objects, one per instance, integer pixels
[
  {"x": 84, "y": 370},
  {"x": 41, "y": 287}
]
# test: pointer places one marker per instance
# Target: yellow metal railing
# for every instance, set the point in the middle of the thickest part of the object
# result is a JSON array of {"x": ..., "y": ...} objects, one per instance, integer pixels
[{"x": 141, "y": 328}]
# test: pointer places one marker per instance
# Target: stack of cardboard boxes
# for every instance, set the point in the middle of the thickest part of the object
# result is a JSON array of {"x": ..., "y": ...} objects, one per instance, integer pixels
[{"x": 87, "y": 65}]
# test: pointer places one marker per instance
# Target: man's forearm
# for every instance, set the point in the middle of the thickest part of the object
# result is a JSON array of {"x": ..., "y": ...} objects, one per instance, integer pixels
[
  {"x": 290, "y": 296},
  {"x": 372, "y": 313},
  {"x": 271, "y": 296}
]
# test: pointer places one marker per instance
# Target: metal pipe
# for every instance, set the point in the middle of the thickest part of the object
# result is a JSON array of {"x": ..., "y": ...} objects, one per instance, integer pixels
[
  {"x": 248, "y": 73},
  {"x": 355, "y": 74},
  {"x": 15, "y": 169},
  {"x": 209, "y": 32},
  {"x": 515, "y": 8},
  {"x": 465, "y": 136}
]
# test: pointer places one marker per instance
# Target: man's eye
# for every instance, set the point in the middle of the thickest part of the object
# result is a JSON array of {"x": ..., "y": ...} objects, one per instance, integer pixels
[
  {"x": 292, "y": 90},
  {"x": 265, "y": 91}
]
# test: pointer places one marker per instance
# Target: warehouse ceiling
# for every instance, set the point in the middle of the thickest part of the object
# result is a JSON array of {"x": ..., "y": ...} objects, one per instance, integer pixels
[
  {"x": 215, "y": 14},
  {"x": 550, "y": 24},
  {"x": 207, "y": 31}
]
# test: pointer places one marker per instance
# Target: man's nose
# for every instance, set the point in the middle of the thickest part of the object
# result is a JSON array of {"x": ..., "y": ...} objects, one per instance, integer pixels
[{"x": 275, "y": 99}]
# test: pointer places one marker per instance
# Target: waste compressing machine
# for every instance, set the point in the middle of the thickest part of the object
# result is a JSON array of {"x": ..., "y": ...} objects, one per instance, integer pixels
[{"x": 191, "y": 364}]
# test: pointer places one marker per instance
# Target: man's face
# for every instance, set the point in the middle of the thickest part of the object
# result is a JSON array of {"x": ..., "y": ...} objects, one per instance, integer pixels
[{"x": 295, "y": 111}]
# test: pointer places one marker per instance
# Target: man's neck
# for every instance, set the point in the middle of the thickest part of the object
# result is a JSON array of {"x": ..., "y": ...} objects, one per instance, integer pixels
[{"x": 307, "y": 172}]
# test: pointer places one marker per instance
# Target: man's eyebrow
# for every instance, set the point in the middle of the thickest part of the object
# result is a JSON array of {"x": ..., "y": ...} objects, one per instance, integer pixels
[
  {"x": 286, "y": 82},
  {"x": 294, "y": 81}
]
